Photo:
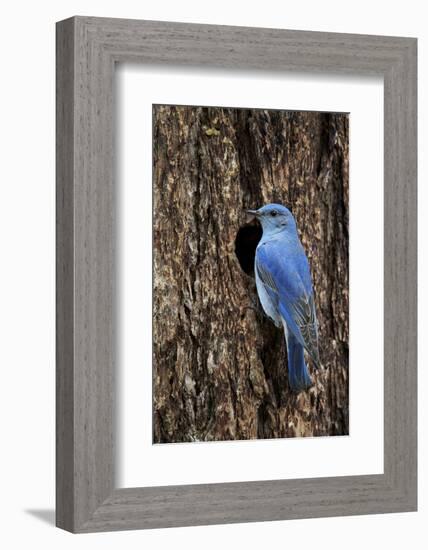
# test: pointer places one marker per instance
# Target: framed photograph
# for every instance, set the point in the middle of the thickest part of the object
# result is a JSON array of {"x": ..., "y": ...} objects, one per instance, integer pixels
[{"x": 236, "y": 274}]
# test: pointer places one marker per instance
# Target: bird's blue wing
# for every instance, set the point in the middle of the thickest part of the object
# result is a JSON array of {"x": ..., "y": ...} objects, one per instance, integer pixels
[{"x": 288, "y": 280}]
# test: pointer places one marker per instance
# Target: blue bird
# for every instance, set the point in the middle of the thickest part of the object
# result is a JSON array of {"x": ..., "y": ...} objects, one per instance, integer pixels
[{"x": 284, "y": 286}]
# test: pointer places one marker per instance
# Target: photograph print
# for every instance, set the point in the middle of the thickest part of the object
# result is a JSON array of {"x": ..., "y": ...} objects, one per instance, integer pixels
[{"x": 250, "y": 274}]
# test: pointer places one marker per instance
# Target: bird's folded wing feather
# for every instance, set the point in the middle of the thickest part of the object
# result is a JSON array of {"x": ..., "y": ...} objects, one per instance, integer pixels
[
  {"x": 303, "y": 313},
  {"x": 288, "y": 282}
]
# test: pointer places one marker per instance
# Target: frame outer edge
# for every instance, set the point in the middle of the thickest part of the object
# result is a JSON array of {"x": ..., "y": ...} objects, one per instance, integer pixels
[
  {"x": 94, "y": 276},
  {"x": 65, "y": 57},
  {"x": 406, "y": 260},
  {"x": 400, "y": 252}
]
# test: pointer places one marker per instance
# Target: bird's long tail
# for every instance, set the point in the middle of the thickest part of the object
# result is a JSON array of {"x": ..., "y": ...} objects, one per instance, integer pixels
[{"x": 298, "y": 376}]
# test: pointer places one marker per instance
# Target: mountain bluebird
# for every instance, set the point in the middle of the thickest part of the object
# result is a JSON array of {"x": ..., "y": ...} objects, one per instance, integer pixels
[{"x": 285, "y": 290}]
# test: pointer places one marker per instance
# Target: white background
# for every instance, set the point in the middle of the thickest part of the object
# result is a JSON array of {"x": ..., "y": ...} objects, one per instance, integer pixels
[
  {"x": 361, "y": 452},
  {"x": 27, "y": 285}
]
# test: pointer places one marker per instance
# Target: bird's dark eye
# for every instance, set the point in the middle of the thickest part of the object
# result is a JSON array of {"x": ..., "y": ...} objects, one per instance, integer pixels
[{"x": 274, "y": 213}]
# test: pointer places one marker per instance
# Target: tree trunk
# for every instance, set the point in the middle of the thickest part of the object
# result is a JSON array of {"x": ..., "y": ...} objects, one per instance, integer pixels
[{"x": 219, "y": 364}]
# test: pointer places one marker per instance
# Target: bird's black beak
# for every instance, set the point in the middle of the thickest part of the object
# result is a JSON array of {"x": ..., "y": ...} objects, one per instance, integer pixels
[{"x": 253, "y": 212}]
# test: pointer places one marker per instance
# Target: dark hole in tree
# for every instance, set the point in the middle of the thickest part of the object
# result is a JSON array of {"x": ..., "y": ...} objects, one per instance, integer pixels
[{"x": 246, "y": 242}]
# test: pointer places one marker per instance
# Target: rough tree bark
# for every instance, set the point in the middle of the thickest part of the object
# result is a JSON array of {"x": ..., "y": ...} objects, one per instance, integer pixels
[{"x": 220, "y": 366}]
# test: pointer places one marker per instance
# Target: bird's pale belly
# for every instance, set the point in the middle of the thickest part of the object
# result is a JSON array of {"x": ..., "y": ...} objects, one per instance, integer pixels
[{"x": 268, "y": 306}]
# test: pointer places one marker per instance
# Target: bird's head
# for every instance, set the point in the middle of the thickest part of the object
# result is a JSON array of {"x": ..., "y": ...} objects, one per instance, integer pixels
[{"x": 274, "y": 218}]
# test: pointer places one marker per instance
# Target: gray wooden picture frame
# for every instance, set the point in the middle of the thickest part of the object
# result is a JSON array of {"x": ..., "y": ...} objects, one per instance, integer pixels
[{"x": 87, "y": 50}]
